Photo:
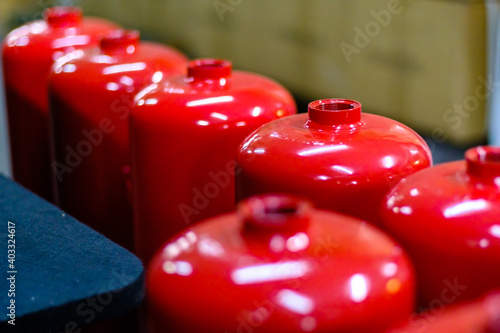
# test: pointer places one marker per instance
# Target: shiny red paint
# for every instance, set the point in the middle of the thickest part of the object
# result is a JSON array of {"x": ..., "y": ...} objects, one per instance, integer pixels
[
  {"x": 185, "y": 133},
  {"x": 479, "y": 316},
  {"x": 338, "y": 157},
  {"x": 278, "y": 265},
  {"x": 448, "y": 218},
  {"x": 28, "y": 53},
  {"x": 91, "y": 93}
]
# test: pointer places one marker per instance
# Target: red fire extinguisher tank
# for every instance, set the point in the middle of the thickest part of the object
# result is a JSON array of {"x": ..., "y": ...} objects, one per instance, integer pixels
[
  {"x": 448, "y": 218},
  {"x": 278, "y": 265},
  {"x": 339, "y": 158},
  {"x": 28, "y": 52},
  {"x": 91, "y": 94},
  {"x": 185, "y": 133}
]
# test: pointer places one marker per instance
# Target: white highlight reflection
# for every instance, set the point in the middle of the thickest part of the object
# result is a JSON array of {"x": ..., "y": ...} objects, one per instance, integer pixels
[
  {"x": 406, "y": 210},
  {"x": 495, "y": 230},
  {"x": 259, "y": 151},
  {"x": 256, "y": 111},
  {"x": 295, "y": 302},
  {"x": 390, "y": 269},
  {"x": 270, "y": 272},
  {"x": 70, "y": 41},
  {"x": 388, "y": 162},
  {"x": 210, "y": 247},
  {"x": 151, "y": 101},
  {"x": 297, "y": 242},
  {"x": 182, "y": 268},
  {"x": 320, "y": 150},
  {"x": 358, "y": 288},
  {"x": 112, "y": 86},
  {"x": 343, "y": 169},
  {"x": 211, "y": 100},
  {"x": 138, "y": 66},
  {"x": 157, "y": 76},
  {"x": 69, "y": 68},
  {"x": 465, "y": 208},
  {"x": 218, "y": 115}
]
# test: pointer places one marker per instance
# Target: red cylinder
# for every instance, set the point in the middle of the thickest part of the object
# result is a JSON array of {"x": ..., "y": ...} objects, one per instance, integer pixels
[
  {"x": 28, "y": 52},
  {"x": 278, "y": 265},
  {"x": 447, "y": 217},
  {"x": 91, "y": 94},
  {"x": 479, "y": 316},
  {"x": 185, "y": 134},
  {"x": 339, "y": 158}
]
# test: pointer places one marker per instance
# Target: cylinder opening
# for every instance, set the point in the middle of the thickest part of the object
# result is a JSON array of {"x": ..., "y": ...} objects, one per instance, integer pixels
[
  {"x": 120, "y": 41},
  {"x": 490, "y": 157},
  {"x": 274, "y": 211},
  {"x": 335, "y": 111},
  {"x": 335, "y": 106},
  {"x": 209, "y": 69},
  {"x": 282, "y": 211},
  {"x": 483, "y": 161},
  {"x": 63, "y": 16}
]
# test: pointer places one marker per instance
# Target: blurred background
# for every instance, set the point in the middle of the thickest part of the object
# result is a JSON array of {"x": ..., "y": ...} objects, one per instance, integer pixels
[{"x": 429, "y": 64}]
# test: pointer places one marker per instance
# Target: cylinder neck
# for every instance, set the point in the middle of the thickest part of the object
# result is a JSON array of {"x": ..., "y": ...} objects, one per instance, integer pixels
[
  {"x": 63, "y": 17},
  {"x": 120, "y": 41},
  {"x": 483, "y": 163},
  {"x": 209, "y": 69},
  {"x": 334, "y": 112},
  {"x": 274, "y": 213}
]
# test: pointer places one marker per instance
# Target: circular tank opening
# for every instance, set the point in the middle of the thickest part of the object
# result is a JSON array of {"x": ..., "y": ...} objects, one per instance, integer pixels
[
  {"x": 335, "y": 106},
  {"x": 209, "y": 69},
  {"x": 334, "y": 111},
  {"x": 62, "y": 16},
  {"x": 210, "y": 64},
  {"x": 483, "y": 161},
  {"x": 274, "y": 211},
  {"x": 281, "y": 211},
  {"x": 490, "y": 157},
  {"x": 120, "y": 40}
]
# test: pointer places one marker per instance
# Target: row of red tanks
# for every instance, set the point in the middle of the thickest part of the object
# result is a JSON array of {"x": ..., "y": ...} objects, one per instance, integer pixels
[{"x": 342, "y": 225}]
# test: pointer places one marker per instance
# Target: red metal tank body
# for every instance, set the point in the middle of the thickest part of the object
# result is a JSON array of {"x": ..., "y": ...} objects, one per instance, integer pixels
[
  {"x": 339, "y": 158},
  {"x": 185, "y": 133},
  {"x": 479, "y": 316},
  {"x": 278, "y": 265},
  {"x": 448, "y": 219},
  {"x": 91, "y": 94},
  {"x": 28, "y": 53}
]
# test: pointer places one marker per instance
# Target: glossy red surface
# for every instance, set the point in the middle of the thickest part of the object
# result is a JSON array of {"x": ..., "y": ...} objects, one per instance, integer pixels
[
  {"x": 341, "y": 159},
  {"x": 28, "y": 52},
  {"x": 185, "y": 134},
  {"x": 480, "y": 316},
  {"x": 277, "y": 265},
  {"x": 91, "y": 94},
  {"x": 447, "y": 217}
]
